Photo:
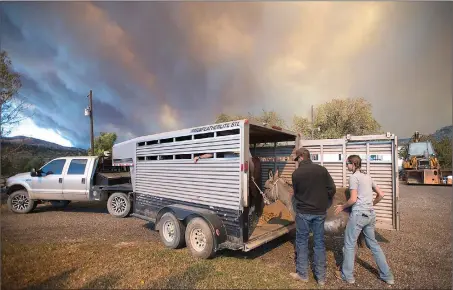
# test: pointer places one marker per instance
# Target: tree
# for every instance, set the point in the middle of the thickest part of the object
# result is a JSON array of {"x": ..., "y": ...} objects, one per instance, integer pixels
[
  {"x": 340, "y": 117},
  {"x": 443, "y": 149},
  {"x": 104, "y": 142},
  {"x": 335, "y": 119},
  {"x": 35, "y": 162},
  {"x": 270, "y": 117},
  {"x": 223, "y": 118},
  {"x": 11, "y": 105},
  {"x": 301, "y": 125}
]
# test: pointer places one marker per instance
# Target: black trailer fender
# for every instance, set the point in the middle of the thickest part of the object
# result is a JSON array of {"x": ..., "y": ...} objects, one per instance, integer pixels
[{"x": 184, "y": 213}]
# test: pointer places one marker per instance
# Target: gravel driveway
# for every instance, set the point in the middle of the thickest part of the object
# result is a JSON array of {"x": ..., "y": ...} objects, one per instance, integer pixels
[{"x": 84, "y": 247}]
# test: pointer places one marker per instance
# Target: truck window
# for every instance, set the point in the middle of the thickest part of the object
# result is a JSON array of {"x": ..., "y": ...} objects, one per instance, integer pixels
[
  {"x": 77, "y": 166},
  {"x": 54, "y": 167}
]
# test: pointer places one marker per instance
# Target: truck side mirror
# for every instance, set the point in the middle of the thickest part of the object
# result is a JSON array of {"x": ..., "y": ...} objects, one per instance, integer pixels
[{"x": 33, "y": 172}]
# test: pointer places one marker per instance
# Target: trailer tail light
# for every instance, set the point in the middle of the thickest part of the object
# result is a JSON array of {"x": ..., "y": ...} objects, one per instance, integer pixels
[
  {"x": 246, "y": 121},
  {"x": 245, "y": 166},
  {"x": 277, "y": 128}
]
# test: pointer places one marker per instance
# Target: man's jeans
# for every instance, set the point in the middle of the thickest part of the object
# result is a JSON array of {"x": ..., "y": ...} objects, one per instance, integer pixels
[
  {"x": 315, "y": 223},
  {"x": 362, "y": 220}
]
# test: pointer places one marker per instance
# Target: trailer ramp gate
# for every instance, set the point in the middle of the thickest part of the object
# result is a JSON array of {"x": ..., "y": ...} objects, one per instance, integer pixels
[{"x": 379, "y": 159}]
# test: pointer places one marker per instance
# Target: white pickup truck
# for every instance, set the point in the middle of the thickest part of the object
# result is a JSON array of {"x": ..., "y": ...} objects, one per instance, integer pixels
[{"x": 75, "y": 178}]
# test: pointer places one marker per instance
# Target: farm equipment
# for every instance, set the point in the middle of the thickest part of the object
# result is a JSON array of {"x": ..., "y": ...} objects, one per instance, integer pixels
[{"x": 421, "y": 165}]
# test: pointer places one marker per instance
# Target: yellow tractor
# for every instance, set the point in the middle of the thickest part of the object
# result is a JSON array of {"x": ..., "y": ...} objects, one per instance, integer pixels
[{"x": 421, "y": 165}]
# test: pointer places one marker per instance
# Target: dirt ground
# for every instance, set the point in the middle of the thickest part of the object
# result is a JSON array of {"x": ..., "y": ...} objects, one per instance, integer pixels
[{"x": 82, "y": 246}]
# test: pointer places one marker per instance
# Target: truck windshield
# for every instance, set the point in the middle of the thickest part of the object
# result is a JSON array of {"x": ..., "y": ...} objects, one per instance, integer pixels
[{"x": 419, "y": 149}]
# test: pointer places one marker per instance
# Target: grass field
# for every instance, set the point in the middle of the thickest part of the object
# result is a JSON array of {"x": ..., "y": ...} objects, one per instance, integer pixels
[{"x": 84, "y": 247}]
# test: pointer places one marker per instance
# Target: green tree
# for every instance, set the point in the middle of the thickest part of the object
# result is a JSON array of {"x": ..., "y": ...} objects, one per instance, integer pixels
[
  {"x": 340, "y": 117},
  {"x": 301, "y": 125},
  {"x": 12, "y": 106},
  {"x": 104, "y": 142},
  {"x": 35, "y": 162},
  {"x": 223, "y": 118},
  {"x": 334, "y": 119},
  {"x": 443, "y": 149},
  {"x": 270, "y": 117}
]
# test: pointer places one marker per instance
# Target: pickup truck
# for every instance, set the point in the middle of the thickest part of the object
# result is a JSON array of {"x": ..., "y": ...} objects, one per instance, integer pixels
[{"x": 75, "y": 178}]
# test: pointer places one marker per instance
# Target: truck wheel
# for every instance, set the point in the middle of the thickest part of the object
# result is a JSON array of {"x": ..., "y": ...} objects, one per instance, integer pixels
[
  {"x": 19, "y": 202},
  {"x": 171, "y": 231},
  {"x": 119, "y": 205},
  {"x": 60, "y": 203},
  {"x": 200, "y": 239}
]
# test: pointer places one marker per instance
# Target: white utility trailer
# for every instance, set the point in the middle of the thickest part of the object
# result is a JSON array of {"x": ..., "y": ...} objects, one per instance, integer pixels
[{"x": 205, "y": 204}]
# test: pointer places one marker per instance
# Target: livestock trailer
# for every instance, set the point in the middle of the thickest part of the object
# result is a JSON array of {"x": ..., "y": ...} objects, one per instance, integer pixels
[{"x": 206, "y": 204}]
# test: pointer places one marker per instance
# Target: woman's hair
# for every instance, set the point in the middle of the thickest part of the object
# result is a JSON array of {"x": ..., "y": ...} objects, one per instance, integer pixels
[{"x": 356, "y": 161}]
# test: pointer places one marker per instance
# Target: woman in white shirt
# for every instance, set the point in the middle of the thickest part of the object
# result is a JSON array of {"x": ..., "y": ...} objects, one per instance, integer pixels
[{"x": 361, "y": 218}]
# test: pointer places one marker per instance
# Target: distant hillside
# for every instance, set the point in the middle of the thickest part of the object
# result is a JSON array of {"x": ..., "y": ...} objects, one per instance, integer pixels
[
  {"x": 446, "y": 131},
  {"x": 402, "y": 141},
  {"x": 37, "y": 142},
  {"x": 20, "y": 154}
]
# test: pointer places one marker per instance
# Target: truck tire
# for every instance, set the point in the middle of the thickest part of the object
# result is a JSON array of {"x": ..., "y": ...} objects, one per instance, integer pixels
[
  {"x": 60, "y": 203},
  {"x": 200, "y": 239},
  {"x": 119, "y": 205},
  {"x": 171, "y": 231},
  {"x": 19, "y": 202}
]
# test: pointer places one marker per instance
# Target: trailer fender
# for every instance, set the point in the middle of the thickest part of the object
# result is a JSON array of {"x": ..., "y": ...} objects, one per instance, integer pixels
[{"x": 184, "y": 213}]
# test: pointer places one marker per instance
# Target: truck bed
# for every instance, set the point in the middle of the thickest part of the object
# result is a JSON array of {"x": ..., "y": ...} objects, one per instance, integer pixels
[
  {"x": 124, "y": 187},
  {"x": 112, "y": 178}
]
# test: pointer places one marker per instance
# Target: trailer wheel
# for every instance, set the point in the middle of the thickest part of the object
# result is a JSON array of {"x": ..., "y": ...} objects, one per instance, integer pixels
[
  {"x": 19, "y": 202},
  {"x": 200, "y": 239},
  {"x": 171, "y": 231},
  {"x": 119, "y": 205}
]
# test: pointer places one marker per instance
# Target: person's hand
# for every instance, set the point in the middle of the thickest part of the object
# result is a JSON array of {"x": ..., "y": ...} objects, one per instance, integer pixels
[
  {"x": 338, "y": 208},
  {"x": 196, "y": 159}
]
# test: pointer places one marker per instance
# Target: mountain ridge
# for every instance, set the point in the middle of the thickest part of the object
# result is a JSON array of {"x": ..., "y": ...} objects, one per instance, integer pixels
[
  {"x": 446, "y": 131},
  {"x": 31, "y": 141}
]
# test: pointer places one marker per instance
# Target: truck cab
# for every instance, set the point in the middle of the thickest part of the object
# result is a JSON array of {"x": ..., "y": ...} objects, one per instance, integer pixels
[{"x": 59, "y": 182}]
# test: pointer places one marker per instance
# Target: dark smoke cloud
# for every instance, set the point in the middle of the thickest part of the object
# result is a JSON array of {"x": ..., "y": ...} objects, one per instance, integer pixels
[{"x": 157, "y": 66}]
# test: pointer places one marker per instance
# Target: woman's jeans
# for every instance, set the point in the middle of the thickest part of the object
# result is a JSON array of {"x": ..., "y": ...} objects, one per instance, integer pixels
[{"x": 362, "y": 220}]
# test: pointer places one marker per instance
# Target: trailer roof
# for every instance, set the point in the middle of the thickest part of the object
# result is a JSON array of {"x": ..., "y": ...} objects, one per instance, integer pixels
[
  {"x": 264, "y": 134},
  {"x": 259, "y": 133}
]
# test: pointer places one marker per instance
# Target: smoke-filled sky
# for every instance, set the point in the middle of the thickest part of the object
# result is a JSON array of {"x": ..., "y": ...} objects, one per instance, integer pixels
[{"x": 156, "y": 66}]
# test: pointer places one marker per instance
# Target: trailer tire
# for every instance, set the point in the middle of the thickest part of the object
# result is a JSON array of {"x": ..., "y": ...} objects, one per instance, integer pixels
[
  {"x": 171, "y": 231},
  {"x": 119, "y": 205},
  {"x": 20, "y": 202},
  {"x": 200, "y": 238}
]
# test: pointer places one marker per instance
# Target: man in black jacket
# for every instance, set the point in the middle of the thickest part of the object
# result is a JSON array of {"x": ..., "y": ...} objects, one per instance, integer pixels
[{"x": 314, "y": 189}]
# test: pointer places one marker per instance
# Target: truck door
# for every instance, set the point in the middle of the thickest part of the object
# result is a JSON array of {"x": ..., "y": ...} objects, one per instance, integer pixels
[
  {"x": 50, "y": 184},
  {"x": 75, "y": 184}
]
